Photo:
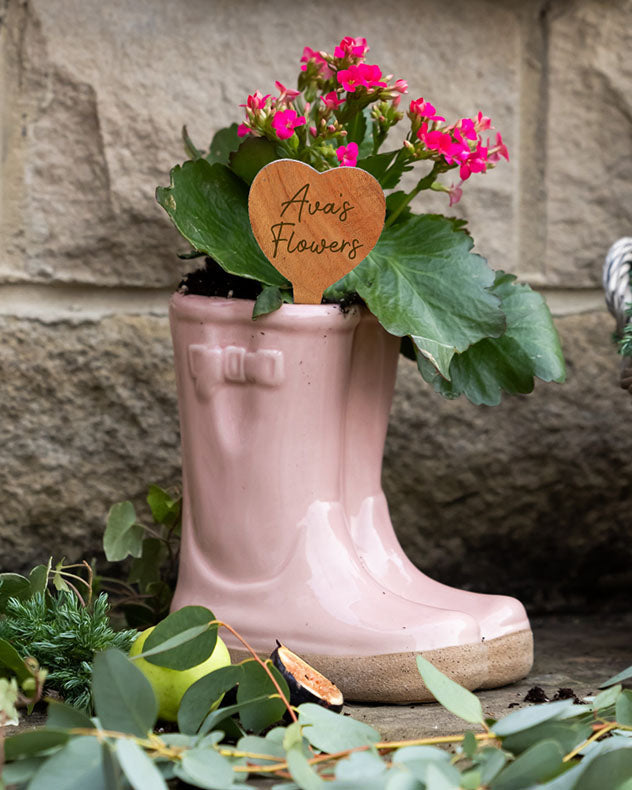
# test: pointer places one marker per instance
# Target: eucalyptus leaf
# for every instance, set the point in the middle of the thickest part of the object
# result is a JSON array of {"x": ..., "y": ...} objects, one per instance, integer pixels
[
  {"x": 201, "y": 695},
  {"x": 607, "y": 698},
  {"x": 407, "y": 754},
  {"x": 535, "y": 765},
  {"x": 568, "y": 734},
  {"x": 33, "y": 742},
  {"x": 208, "y": 204},
  {"x": 114, "y": 777},
  {"x": 490, "y": 762},
  {"x": 21, "y": 771},
  {"x": 331, "y": 732},
  {"x": 399, "y": 780},
  {"x": 123, "y": 697},
  {"x": 205, "y": 768},
  {"x": 78, "y": 766},
  {"x": 442, "y": 776},
  {"x": 255, "y": 682},
  {"x": 360, "y": 766},
  {"x": 469, "y": 744},
  {"x": 123, "y": 536},
  {"x": 216, "y": 717},
  {"x": 139, "y": 769},
  {"x": 408, "y": 282},
  {"x": 182, "y": 640},
  {"x": 525, "y": 718},
  {"x": 471, "y": 780},
  {"x": 626, "y": 674},
  {"x": 255, "y": 744},
  {"x": 302, "y": 772},
  {"x": 62, "y": 716},
  {"x": 623, "y": 713},
  {"x": 453, "y": 697}
]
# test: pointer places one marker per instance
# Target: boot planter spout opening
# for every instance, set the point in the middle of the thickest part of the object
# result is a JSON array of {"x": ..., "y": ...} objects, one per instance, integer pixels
[{"x": 282, "y": 443}]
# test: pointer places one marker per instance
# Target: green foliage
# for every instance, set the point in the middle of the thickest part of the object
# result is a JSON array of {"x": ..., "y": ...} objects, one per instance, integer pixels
[{"x": 63, "y": 636}]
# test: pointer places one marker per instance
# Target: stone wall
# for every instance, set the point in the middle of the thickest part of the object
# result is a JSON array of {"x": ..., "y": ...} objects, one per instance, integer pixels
[{"x": 532, "y": 497}]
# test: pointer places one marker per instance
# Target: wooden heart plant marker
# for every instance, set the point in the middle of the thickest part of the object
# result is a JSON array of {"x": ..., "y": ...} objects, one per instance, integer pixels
[{"x": 315, "y": 227}]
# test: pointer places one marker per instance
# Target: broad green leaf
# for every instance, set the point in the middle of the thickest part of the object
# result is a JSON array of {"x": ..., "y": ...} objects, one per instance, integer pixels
[
  {"x": 191, "y": 150},
  {"x": 525, "y": 718},
  {"x": 208, "y": 204},
  {"x": 20, "y": 771},
  {"x": 11, "y": 659},
  {"x": 145, "y": 569},
  {"x": 529, "y": 347},
  {"x": 469, "y": 744},
  {"x": 217, "y": 717},
  {"x": 624, "y": 708},
  {"x": 269, "y": 300},
  {"x": 535, "y": 765},
  {"x": 360, "y": 766},
  {"x": 292, "y": 735},
  {"x": 61, "y": 716},
  {"x": 205, "y": 768},
  {"x": 114, "y": 778},
  {"x": 407, "y": 754},
  {"x": 331, "y": 732},
  {"x": 38, "y": 577},
  {"x": 626, "y": 674},
  {"x": 123, "y": 697},
  {"x": 140, "y": 771},
  {"x": 607, "y": 698},
  {"x": 377, "y": 164},
  {"x": 252, "y": 154},
  {"x": 491, "y": 762},
  {"x": 12, "y": 585},
  {"x": 568, "y": 734},
  {"x": 199, "y": 697},
  {"x": 78, "y": 766},
  {"x": 419, "y": 759},
  {"x": 393, "y": 204},
  {"x": 453, "y": 697},
  {"x": 164, "y": 509},
  {"x": 224, "y": 142},
  {"x": 302, "y": 772},
  {"x": 58, "y": 580},
  {"x": 262, "y": 746},
  {"x": 122, "y": 536},
  {"x": 399, "y": 780},
  {"x": 33, "y": 742},
  {"x": 441, "y": 776},
  {"x": 254, "y": 683},
  {"x": 471, "y": 780},
  {"x": 611, "y": 771},
  {"x": 408, "y": 282},
  {"x": 182, "y": 640}
]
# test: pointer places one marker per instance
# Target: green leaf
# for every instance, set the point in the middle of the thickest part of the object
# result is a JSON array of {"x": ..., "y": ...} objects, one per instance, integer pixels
[
  {"x": 624, "y": 708},
  {"x": 58, "y": 580},
  {"x": 607, "y": 698},
  {"x": 258, "y": 745},
  {"x": 12, "y": 585},
  {"x": 331, "y": 732},
  {"x": 409, "y": 282},
  {"x": 191, "y": 150},
  {"x": 393, "y": 203},
  {"x": 164, "y": 509},
  {"x": 529, "y": 347},
  {"x": 123, "y": 697},
  {"x": 224, "y": 142},
  {"x": 567, "y": 734},
  {"x": 626, "y": 674},
  {"x": 200, "y": 696},
  {"x": 12, "y": 660},
  {"x": 38, "y": 578},
  {"x": 145, "y": 569},
  {"x": 469, "y": 744},
  {"x": 182, "y": 640},
  {"x": 269, "y": 300},
  {"x": 33, "y": 742},
  {"x": 360, "y": 766},
  {"x": 471, "y": 780},
  {"x": 441, "y": 776},
  {"x": 78, "y": 766},
  {"x": 114, "y": 779},
  {"x": 377, "y": 164},
  {"x": 123, "y": 536},
  {"x": 252, "y": 154},
  {"x": 254, "y": 683},
  {"x": 208, "y": 204},
  {"x": 302, "y": 772},
  {"x": 140, "y": 771},
  {"x": 525, "y": 718},
  {"x": 21, "y": 771},
  {"x": 61, "y": 716},
  {"x": 609, "y": 771},
  {"x": 217, "y": 717},
  {"x": 535, "y": 765},
  {"x": 205, "y": 768},
  {"x": 491, "y": 762},
  {"x": 453, "y": 697}
]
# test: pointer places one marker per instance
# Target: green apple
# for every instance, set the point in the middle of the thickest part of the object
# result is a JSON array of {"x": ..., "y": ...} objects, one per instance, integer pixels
[{"x": 169, "y": 685}]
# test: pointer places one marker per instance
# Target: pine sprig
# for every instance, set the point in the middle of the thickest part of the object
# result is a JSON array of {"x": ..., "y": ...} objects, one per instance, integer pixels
[{"x": 63, "y": 636}]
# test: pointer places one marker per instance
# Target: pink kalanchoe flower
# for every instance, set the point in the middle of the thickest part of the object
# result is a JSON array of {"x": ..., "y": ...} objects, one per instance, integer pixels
[
  {"x": 401, "y": 86},
  {"x": 286, "y": 94},
  {"x": 475, "y": 163},
  {"x": 285, "y": 121},
  {"x": 483, "y": 122},
  {"x": 347, "y": 155},
  {"x": 455, "y": 192},
  {"x": 423, "y": 109},
  {"x": 331, "y": 100},
  {"x": 313, "y": 131},
  {"x": 466, "y": 128},
  {"x": 310, "y": 54},
  {"x": 351, "y": 47},
  {"x": 243, "y": 130},
  {"x": 443, "y": 144},
  {"x": 500, "y": 149},
  {"x": 361, "y": 75},
  {"x": 256, "y": 101}
]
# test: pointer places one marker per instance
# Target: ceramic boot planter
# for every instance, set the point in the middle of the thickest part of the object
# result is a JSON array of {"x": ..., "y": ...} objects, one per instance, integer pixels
[
  {"x": 266, "y": 542},
  {"x": 503, "y": 621}
]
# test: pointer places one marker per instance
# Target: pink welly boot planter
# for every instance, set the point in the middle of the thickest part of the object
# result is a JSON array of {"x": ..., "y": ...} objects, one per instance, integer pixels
[
  {"x": 266, "y": 541},
  {"x": 504, "y": 625}
]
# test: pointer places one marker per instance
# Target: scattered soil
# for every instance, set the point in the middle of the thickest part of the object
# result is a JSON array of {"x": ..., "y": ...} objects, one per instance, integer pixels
[
  {"x": 536, "y": 694},
  {"x": 567, "y": 693}
]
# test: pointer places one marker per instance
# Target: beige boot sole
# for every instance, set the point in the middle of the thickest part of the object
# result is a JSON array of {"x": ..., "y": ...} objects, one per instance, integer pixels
[
  {"x": 394, "y": 677},
  {"x": 509, "y": 658}
]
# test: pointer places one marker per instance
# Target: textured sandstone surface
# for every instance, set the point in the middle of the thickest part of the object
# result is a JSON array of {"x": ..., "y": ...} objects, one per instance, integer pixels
[{"x": 532, "y": 497}]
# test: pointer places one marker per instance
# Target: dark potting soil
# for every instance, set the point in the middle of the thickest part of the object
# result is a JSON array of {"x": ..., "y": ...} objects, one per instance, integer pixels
[{"x": 212, "y": 280}]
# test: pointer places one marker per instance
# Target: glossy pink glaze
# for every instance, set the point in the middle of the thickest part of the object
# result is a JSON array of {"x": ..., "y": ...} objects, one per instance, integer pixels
[
  {"x": 374, "y": 366},
  {"x": 266, "y": 543}
]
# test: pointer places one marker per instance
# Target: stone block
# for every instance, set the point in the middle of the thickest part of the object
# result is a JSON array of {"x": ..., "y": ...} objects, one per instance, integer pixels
[
  {"x": 530, "y": 498},
  {"x": 588, "y": 141}
]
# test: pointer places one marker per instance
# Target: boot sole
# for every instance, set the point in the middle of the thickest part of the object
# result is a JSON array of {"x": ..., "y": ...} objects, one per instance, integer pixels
[
  {"x": 394, "y": 677},
  {"x": 509, "y": 658}
]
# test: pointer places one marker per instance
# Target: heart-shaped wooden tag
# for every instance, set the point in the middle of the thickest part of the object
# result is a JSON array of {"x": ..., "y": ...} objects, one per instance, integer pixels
[{"x": 315, "y": 227}]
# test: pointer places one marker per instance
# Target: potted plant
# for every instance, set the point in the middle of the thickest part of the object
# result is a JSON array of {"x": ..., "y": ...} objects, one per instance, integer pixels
[{"x": 284, "y": 406}]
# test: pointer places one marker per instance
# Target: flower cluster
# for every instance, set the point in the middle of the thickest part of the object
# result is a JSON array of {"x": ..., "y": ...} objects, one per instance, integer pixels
[{"x": 344, "y": 109}]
